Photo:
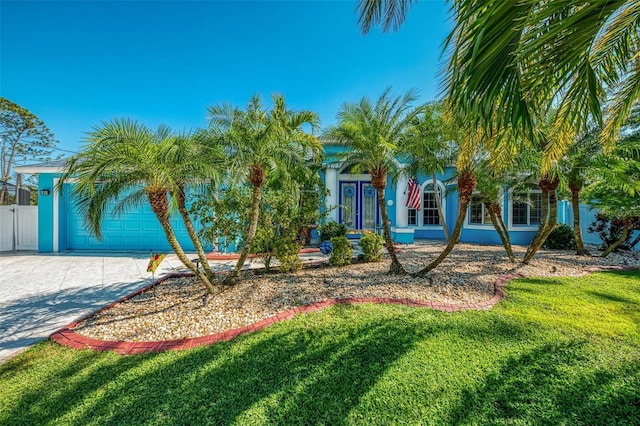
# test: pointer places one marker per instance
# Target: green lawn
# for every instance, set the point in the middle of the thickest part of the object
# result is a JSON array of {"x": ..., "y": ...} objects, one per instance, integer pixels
[{"x": 555, "y": 351}]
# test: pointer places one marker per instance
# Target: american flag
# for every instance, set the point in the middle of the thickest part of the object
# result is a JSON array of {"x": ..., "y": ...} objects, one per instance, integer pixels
[{"x": 413, "y": 199}]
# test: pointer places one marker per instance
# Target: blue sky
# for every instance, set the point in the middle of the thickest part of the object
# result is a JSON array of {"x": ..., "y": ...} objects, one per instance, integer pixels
[{"x": 75, "y": 64}]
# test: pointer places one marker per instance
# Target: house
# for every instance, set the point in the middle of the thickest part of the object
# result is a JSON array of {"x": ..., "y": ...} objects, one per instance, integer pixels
[
  {"x": 352, "y": 200},
  {"x": 61, "y": 228}
]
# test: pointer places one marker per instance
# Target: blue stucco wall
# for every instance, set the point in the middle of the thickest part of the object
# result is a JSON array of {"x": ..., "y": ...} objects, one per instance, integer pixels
[
  {"x": 137, "y": 229},
  {"x": 45, "y": 213}
]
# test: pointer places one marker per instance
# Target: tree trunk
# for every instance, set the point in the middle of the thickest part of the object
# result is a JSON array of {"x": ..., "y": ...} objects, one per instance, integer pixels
[
  {"x": 379, "y": 182},
  {"x": 549, "y": 223},
  {"x": 577, "y": 230},
  {"x": 621, "y": 240},
  {"x": 436, "y": 193},
  {"x": 3, "y": 194},
  {"x": 159, "y": 205},
  {"x": 186, "y": 219},
  {"x": 466, "y": 185},
  {"x": 234, "y": 277},
  {"x": 498, "y": 224}
]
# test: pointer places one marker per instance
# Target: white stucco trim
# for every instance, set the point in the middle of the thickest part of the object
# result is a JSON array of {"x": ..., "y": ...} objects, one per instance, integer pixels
[
  {"x": 331, "y": 183},
  {"x": 401, "y": 209}
]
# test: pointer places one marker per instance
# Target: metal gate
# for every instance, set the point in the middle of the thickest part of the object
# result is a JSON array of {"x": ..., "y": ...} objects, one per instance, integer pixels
[{"x": 18, "y": 228}]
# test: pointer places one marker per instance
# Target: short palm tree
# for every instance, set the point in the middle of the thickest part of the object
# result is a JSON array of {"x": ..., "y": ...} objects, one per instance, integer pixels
[
  {"x": 469, "y": 142},
  {"x": 489, "y": 188},
  {"x": 260, "y": 143},
  {"x": 575, "y": 166},
  {"x": 372, "y": 132},
  {"x": 126, "y": 162},
  {"x": 428, "y": 147}
]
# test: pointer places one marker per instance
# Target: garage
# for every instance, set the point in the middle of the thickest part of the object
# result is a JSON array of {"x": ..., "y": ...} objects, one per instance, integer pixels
[{"x": 135, "y": 230}]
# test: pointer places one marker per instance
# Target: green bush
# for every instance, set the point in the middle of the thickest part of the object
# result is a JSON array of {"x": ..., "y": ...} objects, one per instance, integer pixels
[
  {"x": 561, "y": 238},
  {"x": 287, "y": 251},
  {"x": 332, "y": 229},
  {"x": 371, "y": 245},
  {"x": 342, "y": 251}
]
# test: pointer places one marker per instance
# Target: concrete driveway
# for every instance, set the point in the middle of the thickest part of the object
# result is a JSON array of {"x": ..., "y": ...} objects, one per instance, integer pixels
[{"x": 41, "y": 293}]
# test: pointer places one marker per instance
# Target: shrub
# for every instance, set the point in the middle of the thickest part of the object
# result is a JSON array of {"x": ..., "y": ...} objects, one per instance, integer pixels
[
  {"x": 371, "y": 245},
  {"x": 287, "y": 251},
  {"x": 610, "y": 231},
  {"x": 342, "y": 251},
  {"x": 561, "y": 238},
  {"x": 332, "y": 229}
]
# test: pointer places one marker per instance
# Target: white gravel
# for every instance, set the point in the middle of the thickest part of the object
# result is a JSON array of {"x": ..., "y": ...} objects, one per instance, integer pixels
[{"x": 175, "y": 309}]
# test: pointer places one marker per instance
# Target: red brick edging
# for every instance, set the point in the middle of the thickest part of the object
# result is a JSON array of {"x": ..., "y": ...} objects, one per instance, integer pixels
[{"x": 67, "y": 337}]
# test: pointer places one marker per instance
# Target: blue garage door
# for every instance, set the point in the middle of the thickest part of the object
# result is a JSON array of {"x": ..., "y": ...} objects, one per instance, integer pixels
[{"x": 134, "y": 230}]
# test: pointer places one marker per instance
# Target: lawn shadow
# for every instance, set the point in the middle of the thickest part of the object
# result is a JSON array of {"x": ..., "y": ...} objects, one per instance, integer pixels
[
  {"x": 539, "y": 387},
  {"x": 313, "y": 373}
]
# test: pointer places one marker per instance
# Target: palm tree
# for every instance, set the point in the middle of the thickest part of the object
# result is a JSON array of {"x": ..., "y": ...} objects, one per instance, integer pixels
[
  {"x": 513, "y": 60},
  {"x": 126, "y": 162},
  {"x": 373, "y": 132},
  {"x": 469, "y": 141},
  {"x": 489, "y": 189},
  {"x": 196, "y": 162},
  {"x": 575, "y": 166},
  {"x": 261, "y": 142},
  {"x": 428, "y": 148}
]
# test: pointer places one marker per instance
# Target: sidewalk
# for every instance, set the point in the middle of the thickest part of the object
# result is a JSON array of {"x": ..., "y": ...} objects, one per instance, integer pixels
[{"x": 40, "y": 293}]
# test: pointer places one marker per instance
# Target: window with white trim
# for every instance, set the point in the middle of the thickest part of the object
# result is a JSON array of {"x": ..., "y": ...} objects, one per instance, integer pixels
[
  {"x": 526, "y": 209},
  {"x": 428, "y": 215},
  {"x": 478, "y": 214}
]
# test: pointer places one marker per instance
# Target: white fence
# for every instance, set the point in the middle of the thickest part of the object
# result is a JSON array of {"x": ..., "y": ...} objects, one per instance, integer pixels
[{"x": 18, "y": 228}]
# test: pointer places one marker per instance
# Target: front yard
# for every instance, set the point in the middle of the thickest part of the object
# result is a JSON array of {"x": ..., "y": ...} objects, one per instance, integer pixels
[{"x": 554, "y": 351}]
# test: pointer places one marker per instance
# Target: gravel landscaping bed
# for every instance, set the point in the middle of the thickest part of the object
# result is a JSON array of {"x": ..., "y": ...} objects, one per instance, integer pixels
[{"x": 177, "y": 308}]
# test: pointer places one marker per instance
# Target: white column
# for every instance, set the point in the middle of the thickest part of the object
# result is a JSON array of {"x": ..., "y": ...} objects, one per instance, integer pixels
[
  {"x": 401, "y": 209},
  {"x": 331, "y": 182}
]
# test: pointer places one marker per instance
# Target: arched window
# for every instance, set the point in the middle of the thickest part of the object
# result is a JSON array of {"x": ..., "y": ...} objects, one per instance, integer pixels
[{"x": 428, "y": 214}]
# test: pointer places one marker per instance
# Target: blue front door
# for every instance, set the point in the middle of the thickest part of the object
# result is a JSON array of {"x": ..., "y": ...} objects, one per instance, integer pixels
[{"x": 358, "y": 205}]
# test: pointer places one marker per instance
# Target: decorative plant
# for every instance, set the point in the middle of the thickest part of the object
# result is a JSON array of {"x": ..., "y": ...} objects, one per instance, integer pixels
[
  {"x": 342, "y": 251},
  {"x": 561, "y": 238},
  {"x": 287, "y": 251},
  {"x": 371, "y": 245},
  {"x": 332, "y": 229}
]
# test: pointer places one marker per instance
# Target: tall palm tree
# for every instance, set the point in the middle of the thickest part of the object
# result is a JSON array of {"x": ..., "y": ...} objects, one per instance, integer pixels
[
  {"x": 373, "y": 132},
  {"x": 428, "y": 147},
  {"x": 513, "y": 60},
  {"x": 260, "y": 142},
  {"x": 127, "y": 162}
]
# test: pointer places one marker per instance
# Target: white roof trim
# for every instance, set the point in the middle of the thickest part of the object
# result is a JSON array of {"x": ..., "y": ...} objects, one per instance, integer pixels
[{"x": 36, "y": 169}]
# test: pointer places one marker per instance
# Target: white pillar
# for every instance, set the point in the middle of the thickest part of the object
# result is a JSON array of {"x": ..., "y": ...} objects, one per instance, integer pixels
[
  {"x": 401, "y": 209},
  {"x": 331, "y": 182}
]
